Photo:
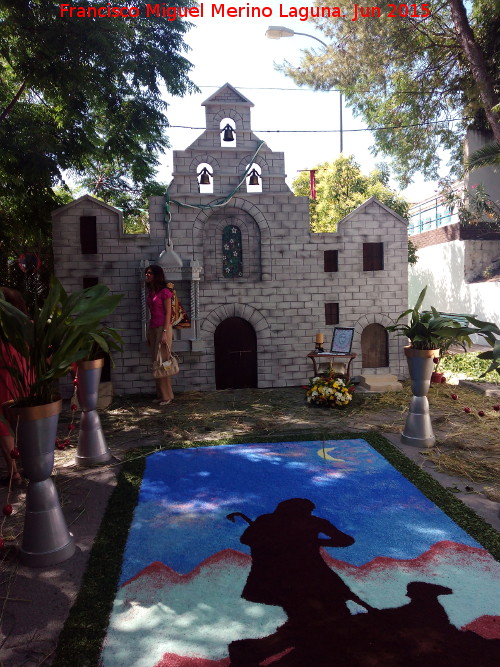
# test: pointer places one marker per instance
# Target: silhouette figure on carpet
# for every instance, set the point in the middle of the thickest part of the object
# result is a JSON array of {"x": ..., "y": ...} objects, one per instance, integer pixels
[{"x": 289, "y": 571}]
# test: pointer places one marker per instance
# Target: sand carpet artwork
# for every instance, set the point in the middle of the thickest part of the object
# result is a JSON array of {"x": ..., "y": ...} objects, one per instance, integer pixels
[{"x": 297, "y": 554}]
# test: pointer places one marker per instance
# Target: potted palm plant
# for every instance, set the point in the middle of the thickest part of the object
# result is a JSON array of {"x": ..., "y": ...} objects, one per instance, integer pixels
[
  {"x": 47, "y": 344},
  {"x": 429, "y": 333}
]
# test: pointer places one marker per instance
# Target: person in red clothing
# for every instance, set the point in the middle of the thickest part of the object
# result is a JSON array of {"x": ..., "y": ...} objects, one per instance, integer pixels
[
  {"x": 8, "y": 389},
  {"x": 160, "y": 325}
]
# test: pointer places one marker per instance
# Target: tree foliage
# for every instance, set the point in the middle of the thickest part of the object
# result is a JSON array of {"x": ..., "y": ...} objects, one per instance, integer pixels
[
  {"x": 73, "y": 92},
  {"x": 111, "y": 182},
  {"x": 340, "y": 188},
  {"x": 406, "y": 75}
]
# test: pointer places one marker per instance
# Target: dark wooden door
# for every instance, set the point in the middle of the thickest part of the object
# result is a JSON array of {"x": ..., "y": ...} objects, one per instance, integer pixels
[
  {"x": 374, "y": 346},
  {"x": 235, "y": 354}
]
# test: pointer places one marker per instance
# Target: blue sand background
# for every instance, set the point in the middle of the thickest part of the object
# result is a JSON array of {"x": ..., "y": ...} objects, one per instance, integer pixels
[{"x": 186, "y": 494}]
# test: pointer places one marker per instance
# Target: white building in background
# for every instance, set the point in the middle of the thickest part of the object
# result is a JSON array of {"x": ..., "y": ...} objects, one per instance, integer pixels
[{"x": 459, "y": 265}]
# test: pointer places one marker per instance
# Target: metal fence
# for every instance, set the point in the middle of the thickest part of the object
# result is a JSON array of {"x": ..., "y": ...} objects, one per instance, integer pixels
[{"x": 430, "y": 214}]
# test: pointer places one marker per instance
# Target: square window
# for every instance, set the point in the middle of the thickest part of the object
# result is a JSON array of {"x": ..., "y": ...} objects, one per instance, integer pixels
[
  {"x": 373, "y": 256},
  {"x": 331, "y": 261},
  {"x": 88, "y": 234},
  {"x": 331, "y": 313},
  {"x": 89, "y": 281}
]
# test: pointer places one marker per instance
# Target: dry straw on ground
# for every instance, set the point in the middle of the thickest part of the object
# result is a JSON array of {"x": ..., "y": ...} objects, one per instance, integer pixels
[{"x": 467, "y": 445}]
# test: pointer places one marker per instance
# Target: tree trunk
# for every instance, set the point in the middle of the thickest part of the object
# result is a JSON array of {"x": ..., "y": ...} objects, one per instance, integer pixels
[
  {"x": 477, "y": 62},
  {"x": 11, "y": 104}
]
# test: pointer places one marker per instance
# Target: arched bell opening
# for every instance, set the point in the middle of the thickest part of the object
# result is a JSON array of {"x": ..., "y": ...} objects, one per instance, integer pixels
[
  {"x": 227, "y": 133},
  {"x": 205, "y": 176},
  {"x": 254, "y": 178}
]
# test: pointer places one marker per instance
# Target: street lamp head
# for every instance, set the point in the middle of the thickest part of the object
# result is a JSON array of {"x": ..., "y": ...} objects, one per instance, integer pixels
[{"x": 278, "y": 31}]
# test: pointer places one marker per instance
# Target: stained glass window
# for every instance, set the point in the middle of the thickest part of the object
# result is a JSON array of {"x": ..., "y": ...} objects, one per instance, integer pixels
[{"x": 232, "y": 256}]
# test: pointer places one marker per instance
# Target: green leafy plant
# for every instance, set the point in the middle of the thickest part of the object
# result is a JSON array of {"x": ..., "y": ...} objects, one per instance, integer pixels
[
  {"x": 428, "y": 330},
  {"x": 474, "y": 206},
  {"x": 470, "y": 365},
  {"x": 66, "y": 329},
  {"x": 412, "y": 253}
]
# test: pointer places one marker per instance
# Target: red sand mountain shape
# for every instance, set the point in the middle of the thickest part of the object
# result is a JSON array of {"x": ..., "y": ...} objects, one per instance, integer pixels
[{"x": 159, "y": 575}]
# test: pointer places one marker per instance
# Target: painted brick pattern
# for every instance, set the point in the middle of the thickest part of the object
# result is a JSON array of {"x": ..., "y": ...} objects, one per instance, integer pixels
[{"x": 284, "y": 288}]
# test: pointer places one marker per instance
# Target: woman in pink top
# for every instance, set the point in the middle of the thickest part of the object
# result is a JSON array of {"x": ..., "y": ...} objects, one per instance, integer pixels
[{"x": 160, "y": 325}]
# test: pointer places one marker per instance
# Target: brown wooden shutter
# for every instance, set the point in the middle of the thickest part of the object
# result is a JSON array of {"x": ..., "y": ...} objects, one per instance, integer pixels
[
  {"x": 88, "y": 234},
  {"x": 373, "y": 256},
  {"x": 89, "y": 281},
  {"x": 331, "y": 313},
  {"x": 375, "y": 346},
  {"x": 331, "y": 261}
]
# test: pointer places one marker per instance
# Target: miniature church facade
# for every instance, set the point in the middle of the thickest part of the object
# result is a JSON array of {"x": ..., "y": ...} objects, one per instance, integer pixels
[{"x": 256, "y": 283}]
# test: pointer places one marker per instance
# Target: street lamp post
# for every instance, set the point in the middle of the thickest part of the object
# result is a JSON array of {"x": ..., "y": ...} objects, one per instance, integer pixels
[{"x": 277, "y": 32}]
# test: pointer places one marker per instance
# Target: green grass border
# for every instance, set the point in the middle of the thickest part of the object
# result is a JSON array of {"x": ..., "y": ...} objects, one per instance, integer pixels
[{"x": 81, "y": 639}]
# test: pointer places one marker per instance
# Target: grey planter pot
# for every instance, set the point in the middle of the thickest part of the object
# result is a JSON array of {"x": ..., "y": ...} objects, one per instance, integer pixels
[
  {"x": 418, "y": 428},
  {"x": 92, "y": 448},
  {"x": 46, "y": 538}
]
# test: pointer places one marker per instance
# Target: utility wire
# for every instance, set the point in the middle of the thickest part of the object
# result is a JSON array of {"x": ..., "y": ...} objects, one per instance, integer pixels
[
  {"x": 363, "y": 129},
  {"x": 326, "y": 90}
]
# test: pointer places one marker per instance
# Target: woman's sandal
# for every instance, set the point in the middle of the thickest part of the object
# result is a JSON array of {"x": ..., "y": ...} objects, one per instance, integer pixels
[{"x": 166, "y": 402}]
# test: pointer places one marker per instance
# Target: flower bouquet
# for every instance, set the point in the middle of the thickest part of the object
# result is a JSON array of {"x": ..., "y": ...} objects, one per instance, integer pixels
[{"x": 329, "y": 391}]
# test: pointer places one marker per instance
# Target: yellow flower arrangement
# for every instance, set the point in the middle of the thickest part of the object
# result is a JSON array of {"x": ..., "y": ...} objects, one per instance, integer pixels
[{"x": 329, "y": 391}]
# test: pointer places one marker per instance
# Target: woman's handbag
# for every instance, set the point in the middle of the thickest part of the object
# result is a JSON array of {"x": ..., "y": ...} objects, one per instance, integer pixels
[{"x": 165, "y": 368}]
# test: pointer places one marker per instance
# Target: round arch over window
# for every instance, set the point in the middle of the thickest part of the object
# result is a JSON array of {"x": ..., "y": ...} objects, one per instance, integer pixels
[{"x": 232, "y": 252}]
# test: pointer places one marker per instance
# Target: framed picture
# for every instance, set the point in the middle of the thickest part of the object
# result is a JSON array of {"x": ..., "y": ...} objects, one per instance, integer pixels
[{"x": 342, "y": 340}]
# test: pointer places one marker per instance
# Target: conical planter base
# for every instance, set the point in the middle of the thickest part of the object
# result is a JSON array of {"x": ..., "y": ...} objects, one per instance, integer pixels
[
  {"x": 46, "y": 538},
  {"x": 418, "y": 428},
  {"x": 92, "y": 448}
]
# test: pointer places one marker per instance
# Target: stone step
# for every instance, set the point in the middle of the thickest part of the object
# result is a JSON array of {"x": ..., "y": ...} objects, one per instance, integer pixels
[{"x": 379, "y": 383}]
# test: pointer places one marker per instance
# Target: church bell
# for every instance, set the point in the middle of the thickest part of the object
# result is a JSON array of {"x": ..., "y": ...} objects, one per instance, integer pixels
[
  {"x": 254, "y": 177},
  {"x": 228, "y": 133},
  {"x": 204, "y": 176}
]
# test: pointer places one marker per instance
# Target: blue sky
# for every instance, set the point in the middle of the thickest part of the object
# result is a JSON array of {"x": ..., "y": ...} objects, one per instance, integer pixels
[
  {"x": 235, "y": 50},
  {"x": 186, "y": 494}
]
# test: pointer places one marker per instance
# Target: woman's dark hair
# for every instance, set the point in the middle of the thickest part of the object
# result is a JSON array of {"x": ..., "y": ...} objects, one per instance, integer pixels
[
  {"x": 158, "y": 277},
  {"x": 15, "y": 298}
]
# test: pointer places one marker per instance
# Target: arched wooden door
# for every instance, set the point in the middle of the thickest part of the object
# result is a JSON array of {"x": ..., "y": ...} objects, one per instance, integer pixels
[
  {"x": 374, "y": 346},
  {"x": 235, "y": 354}
]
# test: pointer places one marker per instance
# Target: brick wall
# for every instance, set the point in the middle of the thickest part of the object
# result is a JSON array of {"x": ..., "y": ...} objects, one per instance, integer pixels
[{"x": 284, "y": 288}]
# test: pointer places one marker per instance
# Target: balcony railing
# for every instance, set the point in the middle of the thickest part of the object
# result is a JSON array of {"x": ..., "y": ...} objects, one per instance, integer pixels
[{"x": 430, "y": 214}]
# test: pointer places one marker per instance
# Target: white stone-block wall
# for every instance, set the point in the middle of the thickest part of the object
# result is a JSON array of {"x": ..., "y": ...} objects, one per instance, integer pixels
[
  {"x": 284, "y": 289},
  {"x": 479, "y": 257},
  {"x": 442, "y": 267}
]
